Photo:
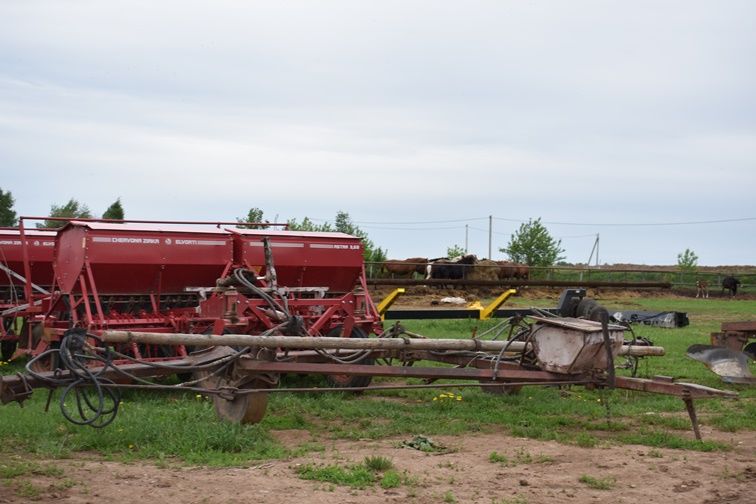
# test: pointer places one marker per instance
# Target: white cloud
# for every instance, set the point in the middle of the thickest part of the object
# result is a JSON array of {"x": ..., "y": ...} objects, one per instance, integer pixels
[{"x": 586, "y": 111}]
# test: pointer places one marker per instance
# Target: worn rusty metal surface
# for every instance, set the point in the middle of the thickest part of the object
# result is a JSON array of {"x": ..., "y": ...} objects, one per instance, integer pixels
[
  {"x": 679, "y": 389},
  {"x": 14, "y": 386},
  {"x": 746, "y": 326},
  {"x": 519, "y": 374},
  {"x": 576, "y": 324},
  {"x": 573, "y": 346},
  {"x": 734, "y": 335}
]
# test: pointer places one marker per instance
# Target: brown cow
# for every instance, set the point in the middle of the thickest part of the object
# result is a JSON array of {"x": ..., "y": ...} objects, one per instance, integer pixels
[
  {"x": 523, "y": 272},
  {"x": 405, "y": 267},
  {"x": 507, "y": 269},
  {"x": 702, "y": 288}
]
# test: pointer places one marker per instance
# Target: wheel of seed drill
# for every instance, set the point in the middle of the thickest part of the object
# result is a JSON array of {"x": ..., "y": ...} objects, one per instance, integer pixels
[
  {"x": 45, "y": 361},
  {"x": 233, "y": 407},
  {"x": 346, "y": 380},
  {"x": 502, "y": 389},
  {"x": 242, "y": 408}
]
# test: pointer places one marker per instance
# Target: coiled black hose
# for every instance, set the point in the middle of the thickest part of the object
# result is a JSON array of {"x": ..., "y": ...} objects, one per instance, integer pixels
[{"x": 94, "y": 402}]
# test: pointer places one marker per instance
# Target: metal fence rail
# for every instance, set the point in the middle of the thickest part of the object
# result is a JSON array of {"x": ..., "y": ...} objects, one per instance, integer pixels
[{"x": 573, "y": 274}]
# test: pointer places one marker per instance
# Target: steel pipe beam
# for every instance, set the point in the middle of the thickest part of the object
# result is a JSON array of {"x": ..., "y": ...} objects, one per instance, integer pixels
[{"x": 311, "y": 343}]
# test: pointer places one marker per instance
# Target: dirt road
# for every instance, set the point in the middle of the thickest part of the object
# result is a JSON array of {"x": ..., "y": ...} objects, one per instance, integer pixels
[{"x": 534, "y": 472}]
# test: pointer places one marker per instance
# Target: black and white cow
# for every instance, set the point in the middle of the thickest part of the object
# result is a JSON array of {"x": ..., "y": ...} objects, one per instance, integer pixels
[{"x": 450, "y": 269}]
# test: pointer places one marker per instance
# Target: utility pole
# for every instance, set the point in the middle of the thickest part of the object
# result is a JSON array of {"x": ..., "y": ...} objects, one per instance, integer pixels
[
  {"x": 490, "y": 235},
  {"x": 466, "y": 235},
  {"x": 597, "y": 249},
  {"x": 594, "y": 249}
]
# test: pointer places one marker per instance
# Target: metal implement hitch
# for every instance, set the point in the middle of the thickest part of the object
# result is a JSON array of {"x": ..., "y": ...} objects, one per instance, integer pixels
[{"x": 239, "y": 380}]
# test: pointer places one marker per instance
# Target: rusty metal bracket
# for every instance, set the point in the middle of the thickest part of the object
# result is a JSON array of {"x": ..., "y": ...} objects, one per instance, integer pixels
[
  {"x": 693, "y": 417},
  {"x": 20, "y": 393}
]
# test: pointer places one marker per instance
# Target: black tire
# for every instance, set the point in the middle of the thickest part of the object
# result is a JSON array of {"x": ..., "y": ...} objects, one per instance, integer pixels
[
  {"x": 7, "y": 349},
  {"x": 345, "y": 381}
]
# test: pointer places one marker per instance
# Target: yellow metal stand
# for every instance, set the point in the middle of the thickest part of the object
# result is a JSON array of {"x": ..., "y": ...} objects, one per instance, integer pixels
[
  {"x": 386, "y": 303},
  {"x": 487, "y": 312},
  {"x": 484, "y": 313}
]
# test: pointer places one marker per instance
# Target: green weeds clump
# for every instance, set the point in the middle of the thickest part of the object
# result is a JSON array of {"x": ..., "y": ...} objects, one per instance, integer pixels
[
  {"x": 520, "y": 457},
  {"x": 371, "y": 470},
  {"x": 598, "y": 483},
  {"x": 378, "y": 463},
  {"x": 355, "y": 476}
]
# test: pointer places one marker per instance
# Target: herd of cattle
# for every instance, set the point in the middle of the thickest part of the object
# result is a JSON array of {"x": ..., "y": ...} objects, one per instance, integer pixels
[{"x": 467, "y": 267}]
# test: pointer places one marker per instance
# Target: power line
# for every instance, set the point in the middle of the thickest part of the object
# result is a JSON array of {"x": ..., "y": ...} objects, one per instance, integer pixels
[
  {"x": 486, "y": 231},
  {"x": 411, "y": 223},
  {"x": 520, "y": 221},
  {"x": 592, "y": 235},
  {"x": 638, "y": 224},
  {"x": 413, "y": 229}
]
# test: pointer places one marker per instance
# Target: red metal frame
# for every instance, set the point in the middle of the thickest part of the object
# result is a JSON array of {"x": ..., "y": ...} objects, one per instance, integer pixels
[
  {"x": 20, "y": 253},
  {"x": 103, "y": 285}
]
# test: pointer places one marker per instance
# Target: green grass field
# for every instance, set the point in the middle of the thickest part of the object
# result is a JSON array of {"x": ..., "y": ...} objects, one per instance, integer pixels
[{"x": 181, "y": 427}]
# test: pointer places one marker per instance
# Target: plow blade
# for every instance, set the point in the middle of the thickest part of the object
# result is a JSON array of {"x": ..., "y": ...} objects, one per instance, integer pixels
[{"x": 731, "y": 365}]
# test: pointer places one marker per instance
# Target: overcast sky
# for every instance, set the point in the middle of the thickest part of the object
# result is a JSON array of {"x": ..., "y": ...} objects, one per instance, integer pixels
[{"x": 598, "y": 113}]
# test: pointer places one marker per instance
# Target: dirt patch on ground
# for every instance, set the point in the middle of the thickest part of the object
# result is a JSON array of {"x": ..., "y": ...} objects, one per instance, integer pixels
[
  {"x": 292, "y": 438},
  {"x": 525, "y": 471},
  {"x": 429, "y": 297}
]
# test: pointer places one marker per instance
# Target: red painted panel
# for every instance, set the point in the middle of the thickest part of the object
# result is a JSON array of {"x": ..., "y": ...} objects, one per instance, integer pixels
[
  {"x": 303, "y": 259},
  {"x": 142, "y": 259},
  {"x": 40, "y": 247}
]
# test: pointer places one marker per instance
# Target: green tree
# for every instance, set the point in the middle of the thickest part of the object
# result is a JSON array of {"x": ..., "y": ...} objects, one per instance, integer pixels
[
  {"x": 114, "y": 211},
  {"x": 7, "y": 214},
  {"x": 687, "y": 261},
  {"x": 308, "y": 225},
  {"x": 254, "y": 215},
  {"x": 372, "y": 253},
  {"x": 72, "y": 209},
  {"x": 532, "y": 244},
  {"x": 455, "y": 251}
]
